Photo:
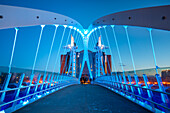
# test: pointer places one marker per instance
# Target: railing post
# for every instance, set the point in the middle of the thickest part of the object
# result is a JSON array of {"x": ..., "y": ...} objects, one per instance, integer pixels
[
  {"x": 48, "y": 78},
  {"x": 137, "y": 84},
  {"x": 111, "y": 80},
  {"x": 56, "y": 80},
  {"x": 61, "y": 78},
  {"x": 125, "y": 82},
  {"x": 108, "y": 79},
  {"x": 43, "y": 81},
  {"x": 148, "y": 91},
  {"x": 39, "y": 76},
  {"x": 18, "y": 90},
  {"x": 5, "y": 87},
  {"x": 147, "y": 86},
  {"x": 114, "y": 81},
  {"x": 161, "y": 88},
  {"x": 120, "y": 80},
  {"x": 28, "y": 90},
  {"x": 117, "y": 81},
  {"x": 130, "y": 81},
  {"x": 51, "y": 80}
]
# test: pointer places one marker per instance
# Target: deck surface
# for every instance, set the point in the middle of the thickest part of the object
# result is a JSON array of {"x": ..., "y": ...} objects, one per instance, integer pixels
[{"x": 83, "y": 99}]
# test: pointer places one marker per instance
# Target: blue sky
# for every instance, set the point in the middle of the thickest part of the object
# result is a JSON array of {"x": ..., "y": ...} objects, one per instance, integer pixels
[{"x": 85, "y": 12}]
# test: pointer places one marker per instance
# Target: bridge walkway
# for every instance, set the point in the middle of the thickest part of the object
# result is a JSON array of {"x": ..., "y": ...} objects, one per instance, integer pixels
[{"x": 83, "y": 99}]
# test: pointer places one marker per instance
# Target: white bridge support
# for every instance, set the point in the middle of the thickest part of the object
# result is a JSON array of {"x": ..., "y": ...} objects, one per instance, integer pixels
[
  {"x": 99, "y": 64},
  {"x": 72, "y": 64},
  {"x": 99, "y": 58},
  {"x": 85, "y": 59}
]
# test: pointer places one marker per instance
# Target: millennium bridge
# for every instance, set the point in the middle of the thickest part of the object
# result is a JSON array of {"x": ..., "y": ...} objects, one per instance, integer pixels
[{"x": 107, "y": 78}]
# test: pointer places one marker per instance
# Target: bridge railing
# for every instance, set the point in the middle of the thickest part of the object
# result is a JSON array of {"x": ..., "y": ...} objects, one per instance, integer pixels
[
  {"x": 13, "y": 99},
  {"x": 144, "y": 96}
]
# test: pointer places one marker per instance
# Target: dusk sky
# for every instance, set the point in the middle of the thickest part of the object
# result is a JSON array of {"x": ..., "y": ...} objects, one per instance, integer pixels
[{"x": 85, "y": 12}]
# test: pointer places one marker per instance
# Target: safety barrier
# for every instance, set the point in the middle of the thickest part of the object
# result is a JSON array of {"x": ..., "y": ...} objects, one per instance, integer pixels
[{"x": 153, "y": 100}]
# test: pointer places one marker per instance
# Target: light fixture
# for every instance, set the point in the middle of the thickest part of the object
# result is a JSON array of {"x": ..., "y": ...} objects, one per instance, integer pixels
[
  {"x": 16, "y": 29},
  {"x": 56, "y": 25},
  {"x": 85, "y": 31},
  {"x": 25, "y": 102},
  {"x": 65, "y": 26},
  {"x": 125, "y": 27},
  {"x": 112, "y": 26},
  {"x": 75, "y": 28},
  {"x": 71, "y": 27},
  {"x": 99, "y": 27},
  {"x": 149, "y": 29},
  {"x": 42, "y": 26}
]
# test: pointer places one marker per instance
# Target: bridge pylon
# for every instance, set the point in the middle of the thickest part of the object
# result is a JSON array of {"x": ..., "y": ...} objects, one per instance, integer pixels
[
  {"x": 72, "y": 61},
  {"x": 99, "y": 58}
]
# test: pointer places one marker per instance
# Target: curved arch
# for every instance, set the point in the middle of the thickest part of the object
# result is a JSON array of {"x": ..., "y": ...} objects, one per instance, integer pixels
[
  {"x": 151, "y": 17},
  {"x": 11, "y": 16}
]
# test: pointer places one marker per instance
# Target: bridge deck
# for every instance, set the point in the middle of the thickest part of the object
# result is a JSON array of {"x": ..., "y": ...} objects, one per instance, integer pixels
[{"x": 83, "y": 99}]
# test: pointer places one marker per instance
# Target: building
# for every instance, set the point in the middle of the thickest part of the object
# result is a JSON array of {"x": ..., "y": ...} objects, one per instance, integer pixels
[
  {"x": 65, "y": 59},
  {"x": 165, "y": 75}
]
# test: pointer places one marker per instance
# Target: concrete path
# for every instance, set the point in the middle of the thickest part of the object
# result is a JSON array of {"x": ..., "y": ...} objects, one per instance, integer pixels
[{"x": 83, "y": 99}]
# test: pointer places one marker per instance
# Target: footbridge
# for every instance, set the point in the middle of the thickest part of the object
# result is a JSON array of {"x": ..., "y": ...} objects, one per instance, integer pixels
[{"x": 50, "y": 63}]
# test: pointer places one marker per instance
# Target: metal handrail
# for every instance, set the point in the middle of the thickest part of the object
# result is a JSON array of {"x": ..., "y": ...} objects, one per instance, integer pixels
[
  {"x": 27, "y": 96},
  {"x": 139, "y": 97},
  {"x": 25, "y": 86},
  {"x": 140, "y": 87}
]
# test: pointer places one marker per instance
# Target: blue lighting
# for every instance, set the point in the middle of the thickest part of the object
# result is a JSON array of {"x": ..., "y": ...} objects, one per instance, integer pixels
[
  {"x": 65, "y": 26},
  {"x": 25, "y": 102},
  {"x": 99, "y": 27},
  {"x": 125, "y": 27},
  {"x": 2, "y": 111},
  {"x": 16, "y": 29},
  {"x": 85, "y": 31},
  {"x": 56, "y": 25},
  {"x": 71, "y": 27},
  {"x": 42, "y": 26},
  {"x": 112, "y": 26},
  {"x": 39, "y": 96},
  {"x": 75, "y": 28},
  {"x": 149, "y": 29}
]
